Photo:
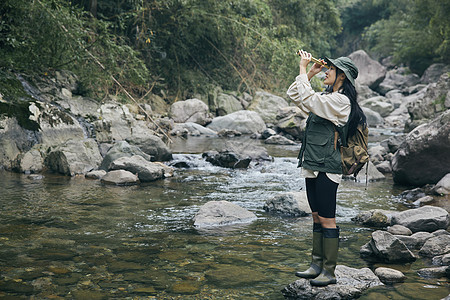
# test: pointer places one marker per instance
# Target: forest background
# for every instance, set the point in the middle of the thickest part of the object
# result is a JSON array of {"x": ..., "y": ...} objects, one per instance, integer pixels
[{"x": 180, "y": 48}]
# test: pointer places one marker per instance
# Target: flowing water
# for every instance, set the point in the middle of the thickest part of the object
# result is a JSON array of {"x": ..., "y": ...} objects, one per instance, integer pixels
[{"x": 72, "y": 238}]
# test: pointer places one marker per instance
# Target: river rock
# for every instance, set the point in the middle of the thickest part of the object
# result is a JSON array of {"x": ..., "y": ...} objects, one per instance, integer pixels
[
  {"x": 423, "y": 201},
  {"x": 293, "y": 204},
  {"x": 434, "y": 72},
  {"x": 246, "y": 122},
  {"x": 80, "y": 106},
  {"x": 227, "y": 159},
  {"x": 441, "y": 260},
  {"x": 151, "y": 145},
  {"x": 435, "y": 246},
  {"x": 435, "y": 272},
  {"x": 423, "y": 157},
  {"x": 351, "y": 283},
  {"x": 136, "y": 164},
  {"x": 372, "y": 174},
  {"x": 227, "y": 104},
  {"x": 121, "y": 149},
  {"x": 115, "y": 123},
  {"x": 364, "y": 92},
  {"x": 291, "y": 120},
  {"x": 31, "y": 162},
  {"x": 389, "y": 276},
  {"x": 379, "y": 104},
  {"x": 416, "y": 240},
  {"x": 399, "y": 78},
  {"x": 387, "y": 248},
  {"x": 426, "y": 218},
  {"x": 279, "y": 140},
  {"x": 384, "y": 167},
  {"x": 74, "y": 157},
  {"x": 267, "y": 105},
  {"x": 371, "y": 72},
  {"x": 191, "y": 110},
  {"x": 374, "y": 218},
  {"x": 373, "y": 118},
  {"x": 96, "y": 174},
  {"x": 120, "y": 177},
  {"x": 193, "y": 129},
  {"x": 443, "y": 186},
  {"x": 399, "y": 230},
  {"x": 220, "y": 213}
]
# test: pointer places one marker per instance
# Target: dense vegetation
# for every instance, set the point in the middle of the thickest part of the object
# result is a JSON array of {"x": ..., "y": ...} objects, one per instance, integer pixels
[{"x": 177, "y": 48}]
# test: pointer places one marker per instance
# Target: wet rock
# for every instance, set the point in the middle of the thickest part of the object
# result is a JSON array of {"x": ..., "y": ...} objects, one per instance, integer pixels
[
  {"x": 441, "y": 260},
  {"x": 443, "y": 186},
  {"x": 384, "y": 167},
  {"x": 379, "y": 104},
  {"x": 371, "y": 72},
  {"x": 267, "y": 105},
  {"x": 293, "y": 204},
  {"x": 13, "y": 286},
  {"x": 435, "y": 246},
  {"x": 291, "y": 120},
  {"x": 399, "y": 230},
  {"x": 191, "y": 110},
  {"x": 227, "y": 159},
  {"x": 436, "y": 272},
  {"x": 423, "y": 157},
  {"x": 413, "y": 195},
  {"x": 74, "y": 157},
  {"x": 389, "y": 276},
  {"x": 268, "y": 133},
  {"x": 31, "y": 162},
  {"x": 151, "y": 145},
  {"x": 97, "y": 174},
  {"x": 186, "y": 287},
  {"x": 374, "y": 218},
  {"x": 192, "y": 129},
  {"x": 351, "y": 283},
  {"x": 385, "y": 247},
  {"x": 247, "y": 122},
  {"x": 121, "y": 149},
  {"x": 279, "y": 140},
  {"x": 145, "y": 170},
  {"x": 220, "y": 213},
  {"x": 88, "y": 294},
  {"x": 426, "y": 218},
  {"x": 423, "y": 201},
  {"x": 416, "y": 240},
  {"x": 226, "y": 276},
  {"x": 120, "y": 177},
  {"x": 229, "y": 133}
]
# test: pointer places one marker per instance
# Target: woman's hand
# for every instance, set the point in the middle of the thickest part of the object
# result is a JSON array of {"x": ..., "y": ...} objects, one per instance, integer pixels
[{"x": 304, "y": 61}]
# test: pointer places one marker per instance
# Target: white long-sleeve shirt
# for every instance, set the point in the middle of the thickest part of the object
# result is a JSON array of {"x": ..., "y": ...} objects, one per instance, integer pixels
[{"x": 334, "y": 107}]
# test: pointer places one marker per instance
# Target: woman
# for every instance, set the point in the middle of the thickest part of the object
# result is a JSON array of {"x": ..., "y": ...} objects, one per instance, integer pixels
[{"x": 320, "y": 156}]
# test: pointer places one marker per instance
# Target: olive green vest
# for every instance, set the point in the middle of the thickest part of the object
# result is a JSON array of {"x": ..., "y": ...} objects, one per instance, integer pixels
[{"x": 319, "y": 151}]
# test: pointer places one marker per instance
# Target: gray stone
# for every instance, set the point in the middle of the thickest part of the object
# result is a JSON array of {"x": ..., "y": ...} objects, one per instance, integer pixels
[
  {"x": 227, "y": 104},
  {"x": 423, "y": 157},
  {"x": 374, "y": 218},
  {"x": 441, "y": 260},
  {"x": 372, "y": 174},
  {"x": 389, "y": 276},
  {"x": 96, "y": 174},
  {"x": 120, "y": 177},
  {"x": 244, "y": 121},
  {"x": 434, "y": 72},
  {"x": 32, "y": 161},
  {"x": 74, "y": 157},
  {"x": 121, "y": 149},
  {"x": 399, "y": 230},
  {"x": 151, "y": 145},
  {"x": 191, "y": 110},
  {"x": 293, "y": 204},
  {"x": 373, "y": 118},
  {"x": 436, "y": 272},
  {"x": 399, "y": 78},
  {"x": 279, "y": 140},
  {"x": 379, "y": 104},
  {"x": 443, "y": 186},
  {"x": 351, "y": 283},
  {"x": 145, "y": 170},
  {"x": 371, "y": 72},
  {"x": 267, "y": 105},
  {"x": 190, "y": 128},
  {"x": 115, "y": 123},
  {"x": 384, "y": 167},
  {"x": 434, "y": 246},
  {"x": 426, "y": 218},
  {"x": 385, "y": 247},
  {"x": 423, "y": 201},
  {"x": 220, "y": 213},
  {"x": 227, "y": 159}
]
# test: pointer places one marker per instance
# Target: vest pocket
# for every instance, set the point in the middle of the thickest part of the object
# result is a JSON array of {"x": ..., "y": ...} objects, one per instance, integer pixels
[{"x": 317, "y": 147}]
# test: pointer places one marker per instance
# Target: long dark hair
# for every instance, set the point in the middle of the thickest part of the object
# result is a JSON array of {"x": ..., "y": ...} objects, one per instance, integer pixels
[{"x": 357, "y": 115}]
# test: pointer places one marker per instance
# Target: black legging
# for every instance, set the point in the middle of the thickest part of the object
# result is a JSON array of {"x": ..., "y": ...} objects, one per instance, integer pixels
[{"x": 321, "y": 192}]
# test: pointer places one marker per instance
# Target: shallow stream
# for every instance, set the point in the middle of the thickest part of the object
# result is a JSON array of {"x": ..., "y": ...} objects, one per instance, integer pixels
[{"x": 72, "y": 238}]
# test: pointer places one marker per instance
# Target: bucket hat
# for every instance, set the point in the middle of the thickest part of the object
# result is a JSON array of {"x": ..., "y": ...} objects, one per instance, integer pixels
[{"x": 346, "y": 65}]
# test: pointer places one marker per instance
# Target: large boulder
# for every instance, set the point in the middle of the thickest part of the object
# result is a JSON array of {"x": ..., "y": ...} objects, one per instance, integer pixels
[
  {"x": 267, "y": 105},
  {"x": 291, "y": 120},
  {"x": 379, "y": 104},
  {"x": 191, "y": 128},
  {"x": 371, "y": 72},
  {"x": 114, "y": 124},
  {"x": 191, "y": 110},
  {"x": 293, "y": 204},
  {"x": 74, "y": 157},
  {"x": 121, "y": 149},
  {"x": 398, "y": 79},
  {"x": 425, "y": 218},
  {"x": 434, "y": 72},
  {"x": 351, "y": 283},
  {"x": 31, "y": 161},
  {"x": 151, "y": 145},
  {"x": 385, "y": 247},
  {"x": 227, "y": 159},
  {"x": 244, "y": 121},
  {"x": 423, "y": 157},
  {"x": 120, "y": 177},
  {"x": 443, "y": 186},
  {"x": 145, "y": 170},
  {"x": 438, "y": 245},
  {"x": 373, "y": 118},
  {"x": 227, "y": 104},
  {"x": 220, "y": 213}
]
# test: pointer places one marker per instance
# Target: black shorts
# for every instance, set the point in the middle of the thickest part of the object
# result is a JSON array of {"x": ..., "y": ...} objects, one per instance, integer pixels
[{"x": 321, "y": 193}]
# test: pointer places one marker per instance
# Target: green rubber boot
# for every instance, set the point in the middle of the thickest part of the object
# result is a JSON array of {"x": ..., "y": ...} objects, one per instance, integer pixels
[
  {"x": 316, "y": 264},
  {"x": 330, "y": 253}
]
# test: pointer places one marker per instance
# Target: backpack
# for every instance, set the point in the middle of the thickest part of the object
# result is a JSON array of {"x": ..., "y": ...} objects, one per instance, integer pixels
[{"x": 354, "y": 153}]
